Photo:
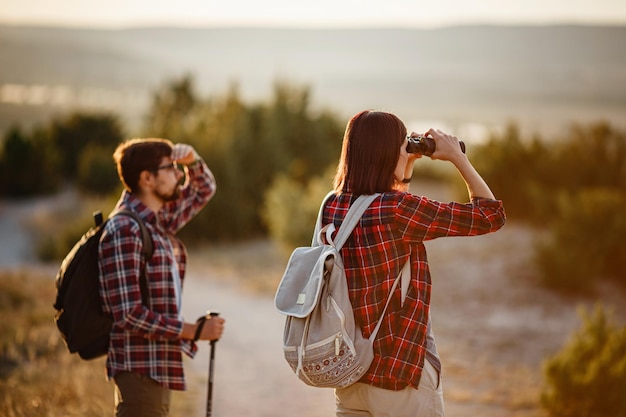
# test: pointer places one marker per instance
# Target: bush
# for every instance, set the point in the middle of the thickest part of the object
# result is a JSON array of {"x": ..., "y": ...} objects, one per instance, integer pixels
[
  {"x": 529, "y": 175},
  {"x": 586, "y": 241},
  {"x": 512, "y": 167},
  {"x": 290, "y": 210},
  {"x": 38, "y": 163},
  {"x": 74, "y": 133},
  {"x": 28, "y": 165},
  {"x": 96, "y": 171},
  {"x": 588, "y": 377}
]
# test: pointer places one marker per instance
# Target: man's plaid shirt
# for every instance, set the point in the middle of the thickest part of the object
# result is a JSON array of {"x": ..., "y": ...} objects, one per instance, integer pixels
[
  {"x": 394, "y": 226},
  {"x": 145, "y": 339}
]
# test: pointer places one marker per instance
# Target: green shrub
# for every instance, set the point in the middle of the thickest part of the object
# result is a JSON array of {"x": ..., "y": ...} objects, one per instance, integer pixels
[
  {"x": 96, "y": 171},
  {"x": 75, "y": 132},
  {"x": 588, "y": 377},
  {"x": 511, "y": 166},
  {"x": 28, "y": 164},
  {"x": 290, "y": 210},
  {"x": 586, "y": 241},
  {"x": 529, "y": 174}
]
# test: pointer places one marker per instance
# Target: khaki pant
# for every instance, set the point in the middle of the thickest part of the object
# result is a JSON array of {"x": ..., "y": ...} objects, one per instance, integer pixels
[
  {"x": 363, "y": 400},
  {"x": 137, "y": 395}
]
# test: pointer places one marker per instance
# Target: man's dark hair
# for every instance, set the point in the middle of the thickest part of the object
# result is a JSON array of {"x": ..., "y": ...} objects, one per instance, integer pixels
[
  {"x": 137, "y": 155},
  {"x": 370, "y": 152}
]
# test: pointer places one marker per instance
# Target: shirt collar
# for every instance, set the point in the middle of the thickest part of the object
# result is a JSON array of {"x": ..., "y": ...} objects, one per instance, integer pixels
[{"x": 131, "y": 202}]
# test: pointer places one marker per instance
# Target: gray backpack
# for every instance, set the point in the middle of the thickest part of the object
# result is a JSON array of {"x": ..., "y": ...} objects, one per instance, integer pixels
[{"x": 321, "y": 341}]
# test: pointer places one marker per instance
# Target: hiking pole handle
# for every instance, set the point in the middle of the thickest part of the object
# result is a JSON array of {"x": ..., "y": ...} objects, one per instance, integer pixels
[
  {"x": 209, "y": 396},
  {"x": 210, "y": 314}
]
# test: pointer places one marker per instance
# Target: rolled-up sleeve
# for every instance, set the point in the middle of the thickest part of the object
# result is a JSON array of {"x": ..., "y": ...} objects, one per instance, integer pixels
[
  {"x": 197, "y": 192},
  {"x": 425, "y": 219}
]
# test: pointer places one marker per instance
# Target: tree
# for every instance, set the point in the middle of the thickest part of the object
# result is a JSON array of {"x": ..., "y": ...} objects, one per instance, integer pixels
[
  {"x": 28, "y": 165},
  {"x": 246, "y": 145},
  {"x": 172, "y": 112},
  {"x": 73, "y": 134}
]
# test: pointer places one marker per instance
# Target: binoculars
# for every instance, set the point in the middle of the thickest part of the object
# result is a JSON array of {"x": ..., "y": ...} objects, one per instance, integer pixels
[{"x": 425, "y": 145}]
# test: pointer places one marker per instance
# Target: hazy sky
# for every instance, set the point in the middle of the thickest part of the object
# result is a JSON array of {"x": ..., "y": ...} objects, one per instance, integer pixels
[{"x": 314, "y": 13}]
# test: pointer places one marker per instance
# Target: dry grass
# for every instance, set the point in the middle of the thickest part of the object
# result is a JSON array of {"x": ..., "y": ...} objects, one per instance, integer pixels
[{"x": 38, "y": 377}]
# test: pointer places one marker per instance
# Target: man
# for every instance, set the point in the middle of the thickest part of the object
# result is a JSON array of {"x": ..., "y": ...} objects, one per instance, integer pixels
[{"x": 147, "y": 341}]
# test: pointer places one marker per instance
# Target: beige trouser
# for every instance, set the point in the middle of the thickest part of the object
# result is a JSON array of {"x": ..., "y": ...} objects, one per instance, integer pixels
[
  {"x": 139, "y": 396},
  {"x": 363, "y": 400}
]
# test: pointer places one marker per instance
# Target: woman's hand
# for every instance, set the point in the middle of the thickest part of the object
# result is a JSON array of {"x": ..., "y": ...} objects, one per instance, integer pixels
[{"x": 447, "y": 147}]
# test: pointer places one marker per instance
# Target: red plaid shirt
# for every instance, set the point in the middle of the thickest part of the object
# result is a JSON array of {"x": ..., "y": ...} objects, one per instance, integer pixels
[
  {"x": 146, "y": 339},
  {"x": 394, "y": 226}
]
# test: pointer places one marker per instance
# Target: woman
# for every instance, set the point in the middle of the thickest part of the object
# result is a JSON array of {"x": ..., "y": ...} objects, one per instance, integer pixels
[{"x": 404, "y": 378}]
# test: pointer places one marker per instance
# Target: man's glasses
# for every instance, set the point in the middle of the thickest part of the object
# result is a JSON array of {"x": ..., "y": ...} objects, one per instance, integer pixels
[{"x": 170, "y": 166}]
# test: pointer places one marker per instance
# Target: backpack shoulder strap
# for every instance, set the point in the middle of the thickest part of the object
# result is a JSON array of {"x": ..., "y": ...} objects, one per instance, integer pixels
[
  {"x": 318, "y": 222},
  {"x": 352, "y": 218},
  {"x": 349, "y": 222},
  {"x": 147, "y": 250},
  {"x": 404, "y": 277}
]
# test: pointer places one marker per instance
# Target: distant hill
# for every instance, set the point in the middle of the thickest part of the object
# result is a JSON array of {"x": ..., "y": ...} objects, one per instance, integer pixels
[{"x": 543, "y": 77}]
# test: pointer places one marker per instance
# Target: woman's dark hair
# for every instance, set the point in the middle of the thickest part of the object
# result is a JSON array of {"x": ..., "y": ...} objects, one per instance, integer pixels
[
  {"x": 137, "y": 155},
  {"x": 370, "y": 152}
]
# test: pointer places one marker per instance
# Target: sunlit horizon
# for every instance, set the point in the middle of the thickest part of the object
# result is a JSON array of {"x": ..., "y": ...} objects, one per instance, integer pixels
[{"x": 117, "y": 14}]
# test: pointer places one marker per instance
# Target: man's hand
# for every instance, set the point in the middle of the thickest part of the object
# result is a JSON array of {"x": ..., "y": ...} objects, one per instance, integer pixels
[
  {"x": 184, "y": 154},
  {"x": 213, "y": 329}
]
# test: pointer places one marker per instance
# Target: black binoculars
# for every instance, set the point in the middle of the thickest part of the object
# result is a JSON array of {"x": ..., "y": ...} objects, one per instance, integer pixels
[{"x": 425, "y": 145}]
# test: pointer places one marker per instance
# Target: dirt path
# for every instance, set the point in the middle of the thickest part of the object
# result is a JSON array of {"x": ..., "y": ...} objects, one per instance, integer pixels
[{"x": 251, "y": 378}]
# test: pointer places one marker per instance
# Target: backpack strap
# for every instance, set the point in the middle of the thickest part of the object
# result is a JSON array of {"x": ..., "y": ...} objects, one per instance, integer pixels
[
  {"x": 352, "y": 218},
  {"x": 147, "y": 250},
  {"x": 404, "y": 277},
  {"x": 349, "y": 222},
  {"x": 316, "y": 241}
]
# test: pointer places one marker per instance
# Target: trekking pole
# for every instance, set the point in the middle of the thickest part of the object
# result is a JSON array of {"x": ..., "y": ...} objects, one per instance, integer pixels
[{"x": 209, "y": 395}]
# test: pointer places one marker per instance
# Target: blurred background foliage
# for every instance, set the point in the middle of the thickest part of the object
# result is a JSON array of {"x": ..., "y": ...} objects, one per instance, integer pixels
[{"x": 275, "y": 160}]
